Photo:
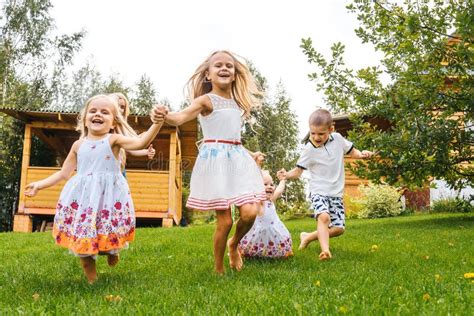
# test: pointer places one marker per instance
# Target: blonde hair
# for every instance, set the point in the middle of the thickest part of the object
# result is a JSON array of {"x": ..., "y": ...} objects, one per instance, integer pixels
[
  {"x": 244, "y": 89},
  {"x": 120, "y": 96},
  {"x": 121, "y": 125}
]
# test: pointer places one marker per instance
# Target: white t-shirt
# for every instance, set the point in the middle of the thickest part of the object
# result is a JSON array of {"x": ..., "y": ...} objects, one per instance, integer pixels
[{"x": 326, "y": 165}]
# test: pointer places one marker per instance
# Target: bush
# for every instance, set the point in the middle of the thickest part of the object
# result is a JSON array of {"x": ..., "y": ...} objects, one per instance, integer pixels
[
  {"x": 377, "y": 201},
  {"x": 452, "y": 205},
  {"x": 292, "y": 210}
]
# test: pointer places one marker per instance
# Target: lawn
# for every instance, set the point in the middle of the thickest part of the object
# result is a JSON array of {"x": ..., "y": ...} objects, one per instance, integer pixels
[{"x": 405, "y": 265}]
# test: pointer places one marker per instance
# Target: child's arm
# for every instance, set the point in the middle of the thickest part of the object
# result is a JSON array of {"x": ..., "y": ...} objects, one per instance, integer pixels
[
  {"x": 294, "y": 173},
  {"x": 65, "y": 173},
  {"x": 279, "y": 190},
  {"x": 357, "y": 154},
  {"x": 150, "y": 152},
  {"x": 199, "y": 105},
  {"x": 134, "y": 143}
]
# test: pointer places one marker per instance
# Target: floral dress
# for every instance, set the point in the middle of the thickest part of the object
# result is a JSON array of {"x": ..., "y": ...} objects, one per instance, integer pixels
[
  {"x": 224, "y": 173},
  {"x": 268, "y": 237},
  {"x": 95, "y": 211}
]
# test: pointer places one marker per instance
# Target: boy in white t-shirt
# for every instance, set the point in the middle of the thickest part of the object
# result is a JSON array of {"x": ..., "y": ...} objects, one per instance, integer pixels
[{"x": 323, "y": 156}]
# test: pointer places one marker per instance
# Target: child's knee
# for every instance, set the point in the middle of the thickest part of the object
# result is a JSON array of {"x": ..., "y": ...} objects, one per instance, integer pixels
[
  {"x": 249, "y": 216},
  {"x": 324, "y": 218}
]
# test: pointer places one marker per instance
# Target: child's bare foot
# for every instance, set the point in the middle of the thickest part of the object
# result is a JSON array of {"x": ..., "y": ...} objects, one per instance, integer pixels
[
  {"x": 89, "y": 267},
  {"x": 235, "y": 260},
  {"x": 325, "y": 255},
  {"x": 219, "y": 271},
  {"x": 303, "y": 241},
  {"x": 112, "y": 260}
]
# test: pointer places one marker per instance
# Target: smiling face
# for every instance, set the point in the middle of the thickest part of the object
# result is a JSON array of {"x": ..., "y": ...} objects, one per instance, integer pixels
[
  {"x": 100, "y": 117},
  {"x": 269, "y": 186},
  {"x": 221, "y": 71},
  {"x": 320, "y": 134}
]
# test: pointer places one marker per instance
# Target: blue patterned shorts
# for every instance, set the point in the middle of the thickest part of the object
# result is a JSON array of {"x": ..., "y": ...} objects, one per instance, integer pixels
[{"x": 334, "y": 206}]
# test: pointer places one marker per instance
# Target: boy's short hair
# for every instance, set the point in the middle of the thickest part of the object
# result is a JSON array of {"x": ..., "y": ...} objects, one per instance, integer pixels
[{"x": 321, "y": 117}]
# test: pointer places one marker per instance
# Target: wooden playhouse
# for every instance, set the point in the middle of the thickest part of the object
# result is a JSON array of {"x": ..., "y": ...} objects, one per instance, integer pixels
[{"x": 156, "y": 185}]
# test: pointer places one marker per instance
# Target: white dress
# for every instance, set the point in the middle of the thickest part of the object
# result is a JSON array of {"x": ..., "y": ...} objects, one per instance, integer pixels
[
  {"x": 268, "y": 237},
  {"x": 95, "y": 211},
  {"x": 224, "y": 174}
]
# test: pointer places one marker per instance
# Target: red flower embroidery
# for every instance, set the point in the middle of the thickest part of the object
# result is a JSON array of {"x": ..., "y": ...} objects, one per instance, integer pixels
[
  {"x": 115, "y": 222},
  {"x": 83, "y": 217},
  {"x": 74, "y": 205},
  {"x": 114, "y": 241},
  {"x": 118, "y": 205},
  {"x": 105, "y": 214},
  {"x": 68, "y": 220},
  {"x": 128, "y": 221}
]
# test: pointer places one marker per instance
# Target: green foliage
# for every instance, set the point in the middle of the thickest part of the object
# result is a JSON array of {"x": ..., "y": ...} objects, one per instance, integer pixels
[
  {"x": 32, "y": 63},
  {"x": 422, "y": 90},
  {"x": 169, "y": 272},
  {"x": 11, "y": 135},
  {"x": 452, "y": 205},
  {"x": 145, "y": 96},
  {"x": 274, "y": 132},
  {"x": 377, "y": 201}
]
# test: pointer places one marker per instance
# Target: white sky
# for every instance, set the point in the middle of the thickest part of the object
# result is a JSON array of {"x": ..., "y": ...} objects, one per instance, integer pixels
[{"x": 167, "y": 40}]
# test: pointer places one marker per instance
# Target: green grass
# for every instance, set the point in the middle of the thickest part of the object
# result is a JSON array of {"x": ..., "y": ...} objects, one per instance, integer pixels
[{"x": 168, "y": 271}]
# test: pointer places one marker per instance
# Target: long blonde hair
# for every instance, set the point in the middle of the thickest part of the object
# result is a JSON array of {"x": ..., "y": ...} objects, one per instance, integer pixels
[
  {"x": 244, "y": 89},
  {"x": 120, "y": 96},
  {"x": 121, "y": 125}
]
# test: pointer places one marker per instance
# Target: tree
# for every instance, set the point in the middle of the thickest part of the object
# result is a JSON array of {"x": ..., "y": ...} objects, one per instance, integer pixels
[
  {"x": 275, "y": 133},
  {"x": 145, "y": 96},
  {"x": 32, "y": 61},
  {"x": 427, "y": 100}
]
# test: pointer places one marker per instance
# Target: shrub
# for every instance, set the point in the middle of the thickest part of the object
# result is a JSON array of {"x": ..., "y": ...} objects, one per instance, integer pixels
[
  {"x": 452, "y": 205},
  {"x": 378, "y": 201},
  {"x": 292, "y": 210}
]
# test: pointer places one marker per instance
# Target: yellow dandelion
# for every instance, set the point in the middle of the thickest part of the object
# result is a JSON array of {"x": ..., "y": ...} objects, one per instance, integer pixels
[
  {"x": 469, "y": 275},
  {"x": 343, "y": 309},
  {"x": 450, "y": 244},
  {"x": 426, "y": 297},
  {"x": 317, "y": 283},
  {"x": 426, "y": 257},
  {"x": 374, "y": 248},
  {"x": 35, "y": 296},
  {"x": 438, "y": 278},
  {"x": 109, "y": 298},
  {"x": 117, "y": 299}
]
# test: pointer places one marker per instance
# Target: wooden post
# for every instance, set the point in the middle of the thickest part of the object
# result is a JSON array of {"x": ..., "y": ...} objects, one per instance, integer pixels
[
  {"x": 179, "y": 183},
  {"x": 172, "y": 177},
  {"x": 25, "y": 163}
]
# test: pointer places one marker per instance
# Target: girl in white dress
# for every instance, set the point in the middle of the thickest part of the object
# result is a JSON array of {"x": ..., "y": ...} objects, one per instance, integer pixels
[
  {"x": 225, "y": 173},
  {"x": 95, "y": 211},
  {"x": 268, "y": 237}
]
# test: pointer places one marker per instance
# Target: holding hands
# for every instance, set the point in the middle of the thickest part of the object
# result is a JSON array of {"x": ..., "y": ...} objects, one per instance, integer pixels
[
  {"x": 366, "y": 154},
  {"x": 258, "y": 157},
  {"x": 158, "y": 113},
  {"x": 282, "y": 174}
]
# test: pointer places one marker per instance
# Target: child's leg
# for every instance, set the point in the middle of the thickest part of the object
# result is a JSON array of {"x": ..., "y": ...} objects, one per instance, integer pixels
[
  {"x": 323, "y": 235},
  {"x": 224, "y": 225},
  {"x": 307, "y": 238},
  {"x": 89, "y": 267},
  {"x": 248, "y": 212},
  {"x": 112, "y": 259}
]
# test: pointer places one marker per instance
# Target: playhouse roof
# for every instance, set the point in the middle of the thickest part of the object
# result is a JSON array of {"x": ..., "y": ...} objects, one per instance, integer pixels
[{"x": 57, "y": 129}]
